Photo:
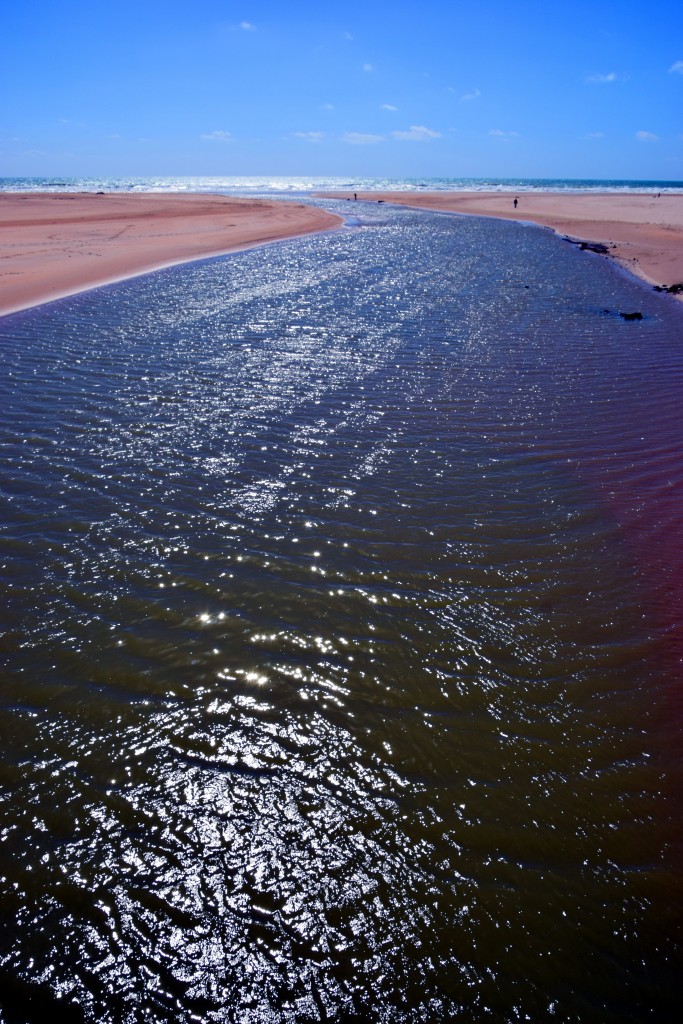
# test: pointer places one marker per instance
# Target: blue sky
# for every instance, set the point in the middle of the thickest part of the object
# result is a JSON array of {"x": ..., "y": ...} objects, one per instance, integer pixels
[{"x": 589, "y": 89}]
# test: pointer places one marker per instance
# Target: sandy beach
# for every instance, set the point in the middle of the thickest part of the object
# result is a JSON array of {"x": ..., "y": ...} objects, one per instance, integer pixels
[
  {"x": 643, "y": 233},
  {"x": 52, "y": 245},
  {"x": 56, "y": 244}
]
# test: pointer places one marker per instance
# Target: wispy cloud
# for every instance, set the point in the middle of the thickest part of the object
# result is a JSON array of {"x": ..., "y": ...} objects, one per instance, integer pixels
[
  {"x": 677, "y": 68},
  {"x": 327, "y": 106},
  {"x": 503, "y": 135},
  {"x": 388, "y": 106},
  {"x": 475, "y": 94},
  {"x": 601, "y": 78},
  {"x": 646, "y": 137},
  {"x": 361, "y": 138},
  {"x": 218, "y": 136},
  {"x": 594, "y": 135},
  {"x": 368, "y": 67},
  {"x": 310, "y": 136},
  {"x": 247, "y": 26},
  {"x": 417, "y": 133}
]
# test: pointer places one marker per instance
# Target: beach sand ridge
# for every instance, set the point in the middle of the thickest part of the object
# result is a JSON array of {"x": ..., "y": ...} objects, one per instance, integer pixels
[{"x": 57, "y": 244}]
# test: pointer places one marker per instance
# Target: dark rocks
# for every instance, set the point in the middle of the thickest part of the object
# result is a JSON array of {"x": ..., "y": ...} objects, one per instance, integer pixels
[
  {"x": 636, "y": 315},
  {"x": 672, "y": 289},
  {"x": 598, "y": 247}
]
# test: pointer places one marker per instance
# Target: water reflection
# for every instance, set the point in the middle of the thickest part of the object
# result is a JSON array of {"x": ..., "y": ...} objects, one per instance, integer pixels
[{"x": 333, "y": 687}]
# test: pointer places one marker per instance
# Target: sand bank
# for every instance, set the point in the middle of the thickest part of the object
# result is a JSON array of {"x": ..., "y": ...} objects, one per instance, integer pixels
[
  {"x": 643, "y": 233},
  {"x": 52, "y": 245}
]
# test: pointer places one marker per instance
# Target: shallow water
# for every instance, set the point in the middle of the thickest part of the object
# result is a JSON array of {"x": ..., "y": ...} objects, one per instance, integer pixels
[{"x": 342, "y": 637}]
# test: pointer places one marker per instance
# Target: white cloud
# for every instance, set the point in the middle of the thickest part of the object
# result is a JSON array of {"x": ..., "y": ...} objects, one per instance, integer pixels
[
  {"x": 361, "y": 138},
  {"x": 368, "y": 67},
  {"x": 310, "y": 136},
  {"x": 677, "y": 68},
  {"x": 503, "y": 135},
  {"x": 327, "y": 106},
  {"x": 388, "y": 106},
  {"x": 247, "y": 26},
  {"x": 217, "y": 136},
  {"x": 471, "y": 95},
  {"x": 417, "y": 133},
  {"x": 646, "y": 137},
  {"x": 595, "y": 135},
  {"x": 600, "y": 79}
]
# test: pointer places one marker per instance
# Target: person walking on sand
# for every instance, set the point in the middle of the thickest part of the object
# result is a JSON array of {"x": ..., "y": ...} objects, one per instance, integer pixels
[{"x": 515, "y": 202}]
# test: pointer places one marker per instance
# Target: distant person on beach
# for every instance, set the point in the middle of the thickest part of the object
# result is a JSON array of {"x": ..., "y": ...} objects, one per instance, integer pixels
[
  {"x": 515, "y": 203},
  {"x": 355, "y": 195}
]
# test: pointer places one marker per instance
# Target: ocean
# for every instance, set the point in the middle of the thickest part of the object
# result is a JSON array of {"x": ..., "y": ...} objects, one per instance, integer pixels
[
  {"x": 283, "y": 185},
  {"x": 342, "y": 603}
]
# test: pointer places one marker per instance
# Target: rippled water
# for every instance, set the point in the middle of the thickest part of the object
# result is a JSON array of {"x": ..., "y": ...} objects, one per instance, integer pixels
[{"x": 341, "y": 660}]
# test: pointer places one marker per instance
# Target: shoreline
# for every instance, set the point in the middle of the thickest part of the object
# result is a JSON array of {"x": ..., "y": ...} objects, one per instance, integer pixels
[
  {"x": 57, "y": 244},
  {"x": 641, "y": 232}
]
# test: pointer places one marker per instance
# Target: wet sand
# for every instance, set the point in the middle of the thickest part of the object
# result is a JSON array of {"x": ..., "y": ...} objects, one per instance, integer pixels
[
  {"x": 642, "y": 232},
  {"x": 52, "y": 245}
]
